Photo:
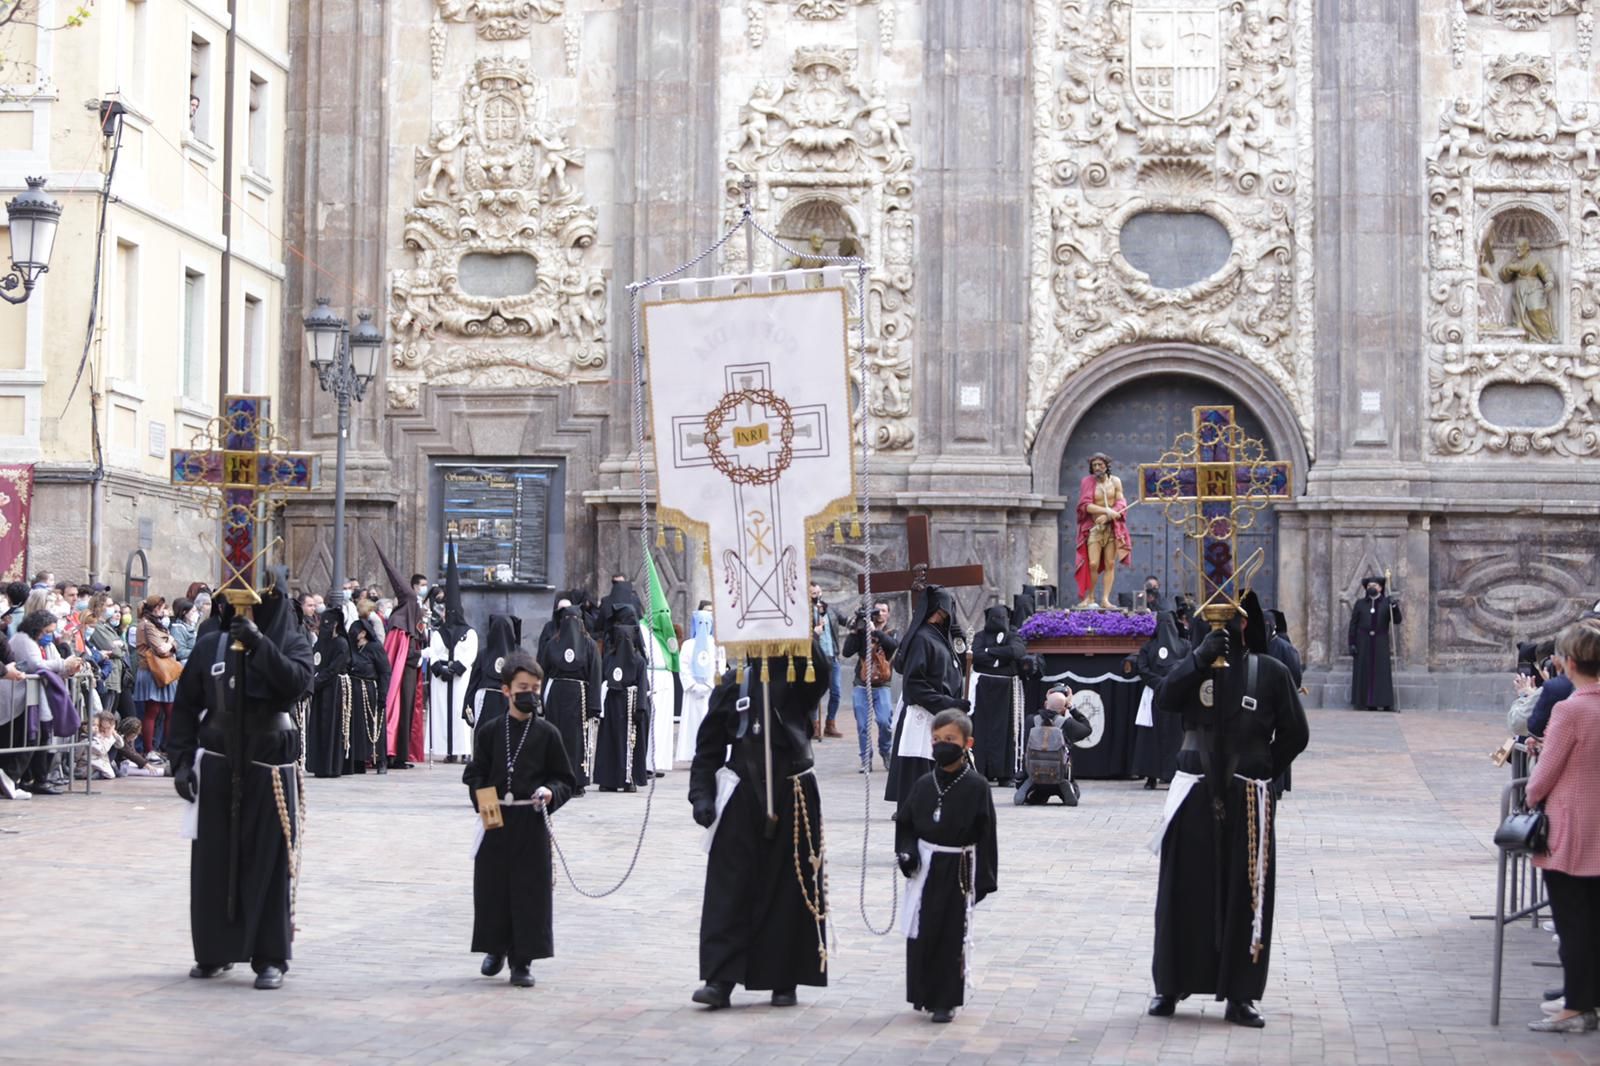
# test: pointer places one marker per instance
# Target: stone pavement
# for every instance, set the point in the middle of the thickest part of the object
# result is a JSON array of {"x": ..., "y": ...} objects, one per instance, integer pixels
[{"x": 1384, "y": 846}]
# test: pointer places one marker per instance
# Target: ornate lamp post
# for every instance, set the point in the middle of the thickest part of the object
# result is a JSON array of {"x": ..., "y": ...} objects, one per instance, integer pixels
[
  {"x": 33, "y": 219},
  {"x": 346, "y": 361}
]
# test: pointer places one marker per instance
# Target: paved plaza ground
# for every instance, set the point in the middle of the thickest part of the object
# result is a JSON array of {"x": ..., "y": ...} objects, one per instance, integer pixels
[{"x": 1384, "y": 853}]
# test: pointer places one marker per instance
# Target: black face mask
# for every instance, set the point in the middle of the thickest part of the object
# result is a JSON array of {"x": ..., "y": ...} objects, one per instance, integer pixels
[
  {"x": 528, "y": 702},
  {"x": 945, "y": 753}
]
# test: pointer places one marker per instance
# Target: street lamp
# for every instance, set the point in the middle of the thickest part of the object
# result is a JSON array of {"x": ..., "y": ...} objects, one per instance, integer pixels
[
  {"x": 33, "y": 219},
  {"x": 346, "y": 363}
]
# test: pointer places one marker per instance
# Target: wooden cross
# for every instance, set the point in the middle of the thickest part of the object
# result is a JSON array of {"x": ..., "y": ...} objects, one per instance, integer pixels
[
  {"x": 242, "y": 466},
  {"x": 921, "y": 573},
  {"x": 1223, "y": 478}
]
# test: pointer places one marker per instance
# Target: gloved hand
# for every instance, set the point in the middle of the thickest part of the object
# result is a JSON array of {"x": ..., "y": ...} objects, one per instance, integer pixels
[
  {"x": 1352, "y": 651},
  {"x": 705, "y": 814},
  {"x": 439, "y": 670},
  {"x": 184, "y": 782},
  {"x": 245, "y": 632},
  {"x": 1213, "y": 647},
  {"x": 909, "y": 863},
  {"x": 961, "y": 705},
  {"x": 457, "y": 669}
]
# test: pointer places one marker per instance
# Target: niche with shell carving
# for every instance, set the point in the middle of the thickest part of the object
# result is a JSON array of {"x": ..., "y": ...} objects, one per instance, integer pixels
[{"x": 1521, "y": 264}]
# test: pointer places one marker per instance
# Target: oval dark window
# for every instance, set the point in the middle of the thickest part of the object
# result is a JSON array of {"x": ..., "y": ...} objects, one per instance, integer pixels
[{"x": 1175, "y": 248}]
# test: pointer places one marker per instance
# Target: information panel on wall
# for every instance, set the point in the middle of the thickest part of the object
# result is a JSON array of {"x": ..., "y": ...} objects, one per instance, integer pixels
[{"x": 499, "y": 516}]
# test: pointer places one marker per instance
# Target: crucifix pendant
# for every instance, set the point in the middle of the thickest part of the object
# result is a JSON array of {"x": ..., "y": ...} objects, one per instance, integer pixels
[{"x": 938, "y": 812}]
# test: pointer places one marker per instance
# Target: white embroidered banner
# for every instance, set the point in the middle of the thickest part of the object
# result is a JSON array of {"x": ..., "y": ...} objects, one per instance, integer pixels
[{"x": 749, "y": 408}]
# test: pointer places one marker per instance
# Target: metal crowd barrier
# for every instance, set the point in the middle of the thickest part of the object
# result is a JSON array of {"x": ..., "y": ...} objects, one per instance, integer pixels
[
  {"x": 70, "y": 748},
  {"x": 1519, "y": 887}
]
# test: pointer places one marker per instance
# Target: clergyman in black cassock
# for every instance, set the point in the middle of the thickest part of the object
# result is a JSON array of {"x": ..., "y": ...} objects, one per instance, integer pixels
[
  {"x": 763, "y": 920},
  {"x": 233, "y": 746},
  {"x": 571, "y": 665},
  {"x": 1156, "y": 741},
  {"x": 1372, "y": 676},
  {"x": 1243, "y": 726},
  {"x": 945, "y": 839},
  {"x": 332, "y": 708},
  {"x": 930, "y": 682},
  {"x": 621, "y": 753},
  {"x": 520, "y": 756},
  {"x": 997, "y": 699}
]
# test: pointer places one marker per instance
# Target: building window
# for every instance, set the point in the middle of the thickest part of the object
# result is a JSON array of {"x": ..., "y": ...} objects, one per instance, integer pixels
[
  {"x": 134, "y": 47},
  {"x": 257, "y": 156},
  {"x": 193, "y": 372},
  {"x": 255, "y": 329},
  {"x": 200, "y": 89},
  {"x": 128, "y": 280}
]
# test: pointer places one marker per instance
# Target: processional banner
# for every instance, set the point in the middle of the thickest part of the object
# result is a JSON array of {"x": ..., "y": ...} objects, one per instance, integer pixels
[
  {"x": 16, "y": 506},
  {"x": 750, "y": 414}
]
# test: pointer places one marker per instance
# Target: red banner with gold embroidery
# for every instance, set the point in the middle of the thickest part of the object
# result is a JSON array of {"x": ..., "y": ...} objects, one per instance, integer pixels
[{"x": 16, "y": 501}]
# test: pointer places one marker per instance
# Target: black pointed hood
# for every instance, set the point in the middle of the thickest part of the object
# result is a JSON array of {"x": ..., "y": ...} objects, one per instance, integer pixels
[
  {"x": 622, "y": 645},
  {"x": 1255, "y": 633},
  {"x": 934, "y": 598},
  {"x": 1167, "y": 635},
  {"x": 407, "y": 613},
  {"x": 996, "y": 619},
  {"x": 501, "y": 637},
  {"x": 455, "y": 627}
]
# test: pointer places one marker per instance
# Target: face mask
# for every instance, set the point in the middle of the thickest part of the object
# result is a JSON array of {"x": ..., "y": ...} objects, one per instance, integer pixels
[
  {"x": 422, "y": 590},
  {"x": 1372, "y": 594},
  {"x": 527, "y": 702},
  {"x": 46, "y": 639},
  {"x": 59, "y": 610},
  {"x": 82, "y": 604},
  {"x": 109, "y": 614},
  {"x": 945, "y": 753},
  {"x": 166, "y": 622},
  {"x": 127, "y": 619}
]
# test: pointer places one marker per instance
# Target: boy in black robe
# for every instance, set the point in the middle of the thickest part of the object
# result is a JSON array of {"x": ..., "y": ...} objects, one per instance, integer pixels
[
  {"x": 1214, "y": 903},
  {"x": 1372, "y": 676},
  {"x": 571, "y": 665},
  {"x": 521, "y": 757},
  {"x": 764, "y": 920},
  {"x": 944, "y": 838},
  {"x": 931, "y": 682},
  {"x": 997, "y": 700},
  {"x": 236, "y": 705}
]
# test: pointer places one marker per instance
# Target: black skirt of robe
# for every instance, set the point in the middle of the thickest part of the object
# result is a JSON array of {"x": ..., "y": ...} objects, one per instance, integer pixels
[
  {"x": 566, "y": 707},
  {"x": 261, "y": 930},
  {"x": 1199, "y": 947},
  {"x": 994, "y": 747},
  {"x": 324, "y": 736},
  {"x": 611, "y": 742},
  {"x": 366, "y": 724},
  {"x": 755, "y": 929},
  {"x": 1155, "y": 749},
  {"x": 934, "y": 958}
]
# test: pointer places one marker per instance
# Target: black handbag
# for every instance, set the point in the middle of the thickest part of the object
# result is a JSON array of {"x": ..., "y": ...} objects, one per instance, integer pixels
[{"x": 1524, "y": 831}]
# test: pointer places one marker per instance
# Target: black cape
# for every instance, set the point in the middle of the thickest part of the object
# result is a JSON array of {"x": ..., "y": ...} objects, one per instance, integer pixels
[
  {"x": 621, "y": 751},
  {"x": 327, "y": 730},
  {"x": 755, "y": 925},
  {"x": 275, "y": 676},
  {"x": 931, "y": 679},
  {"x": 571, "y": 665},
  {"x": 934, "y": 962},
  {"x": 1372, "y": 676},
  {"x": 1155, "y": 749},
  {"x": 997, "y": 709},
  {"x": 511, "y": 884}
]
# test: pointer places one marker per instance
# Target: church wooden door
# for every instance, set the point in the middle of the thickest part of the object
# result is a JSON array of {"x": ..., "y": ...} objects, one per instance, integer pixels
[{"x": 1134, "y": 424}]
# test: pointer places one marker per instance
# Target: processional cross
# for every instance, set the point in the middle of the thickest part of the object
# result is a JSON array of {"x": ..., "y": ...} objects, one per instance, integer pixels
[
  {"x": 920, "y": 573},
  {"x": 1213, "y": 481}
]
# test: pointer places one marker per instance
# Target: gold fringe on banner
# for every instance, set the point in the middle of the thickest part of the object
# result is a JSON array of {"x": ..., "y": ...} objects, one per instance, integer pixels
[
  {"x": 838, "y": 533},
  {"x": 855, "y": 528},
  {"x": 789, "y": 674},
  {"x": 661, "y": 536},
  {"x": 766, "y": 673},
  {"x": 677, "y": 539},
  {"x": 811, "y": 675}
]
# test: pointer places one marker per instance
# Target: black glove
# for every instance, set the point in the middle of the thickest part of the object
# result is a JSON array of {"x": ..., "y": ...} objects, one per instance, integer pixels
[
  {"x": 1214, "y": 647},
  {"x": 439, "y": 670},
  {"x": 245, "y": 632},
  {"x": 909, "y": 863},
  {"x": 961, "y": 705},
  {"x": 705, "y": 814},
  {"x": 457, "y": 669},
  {"x": 184, "y": 782},
  {"x": 1352, "y": 651}
]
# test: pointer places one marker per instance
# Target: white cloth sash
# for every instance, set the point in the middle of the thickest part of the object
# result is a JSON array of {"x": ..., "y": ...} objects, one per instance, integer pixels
[
  {"x": 911, "y": 915},
  {"x": 1146, "y": 716},
  {"x": 190, "y": 826},
  {"x": 727, "y": 781},
  {"x": 477, "y": 838},
  {"x": 1177, "y": 792},
  {"x": 916, "y": 735}
]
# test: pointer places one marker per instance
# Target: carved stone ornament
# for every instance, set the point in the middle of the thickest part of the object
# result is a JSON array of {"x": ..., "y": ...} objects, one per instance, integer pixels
[
  {"x": 1514, "y": 268},
  {"x": 826, "y": 144},
  {"x": 1522, "y": 14},
  {"x": 1174, "y": 107},
  {"x": 497, "y": 184},
  {"x": 755, "y": 16},
  {"x": 501, "y": 20}
]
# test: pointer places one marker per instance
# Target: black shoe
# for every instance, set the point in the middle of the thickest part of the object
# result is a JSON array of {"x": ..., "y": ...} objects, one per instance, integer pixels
[
  {"x": 784, "y": 997},
  {"x": 492, "y": 965},
  {"x": 521, "y": 976},
  {"x": 269, "y": 977},
  {"x": 1162, "y": 1006},
  {"x": 383, "y": 767},
  {"x": 579, "y": 792},
  {"x": 1150, "y": 784},
  {"x": 1242, "y": 1012},
  {"x": 205, "y": 973},
  {"x": 45, "y": 789},
  {"x": 630, "y": 788},
  {"x": 944, "y": 1017},
  {"x": 714, "y": 994}
]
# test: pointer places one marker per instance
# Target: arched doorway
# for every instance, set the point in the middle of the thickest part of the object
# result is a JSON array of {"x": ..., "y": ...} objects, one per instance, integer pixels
[{"x": 1134, "y": 423}]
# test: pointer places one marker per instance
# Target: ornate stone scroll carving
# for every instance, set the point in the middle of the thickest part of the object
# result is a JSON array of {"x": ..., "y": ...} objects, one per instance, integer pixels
[
  {"x": 501, "y": 20},
  {"x": 755, "y": 15},
  {"x": 1522, "y": 14},
  {"x": 1514, "y": 267},
  {"x": 1172, "y": 106},
  {"x": 824, "y": 140},
  {"x": 497, "y": 183}
]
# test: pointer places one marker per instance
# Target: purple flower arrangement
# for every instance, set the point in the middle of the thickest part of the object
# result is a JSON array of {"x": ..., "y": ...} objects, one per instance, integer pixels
[{"x": 1047, "y": 625}]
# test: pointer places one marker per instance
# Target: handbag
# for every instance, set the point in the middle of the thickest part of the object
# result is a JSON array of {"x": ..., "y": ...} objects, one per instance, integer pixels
[
  {"x": 164, "y": 670},
  {"x": 1524, "y": 831}
]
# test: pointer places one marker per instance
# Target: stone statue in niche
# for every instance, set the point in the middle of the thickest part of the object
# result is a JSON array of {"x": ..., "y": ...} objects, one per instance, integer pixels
[
  {"x": 1531, "y": 282},
  {"x": 1491, "y": 296}
]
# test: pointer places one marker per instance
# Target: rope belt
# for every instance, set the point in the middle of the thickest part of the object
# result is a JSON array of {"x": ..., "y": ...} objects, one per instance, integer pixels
[
  {"x": 815, "y": 896},
  {"x": 1016, "y": 724},
  {"x": 1258, "y": 827}
]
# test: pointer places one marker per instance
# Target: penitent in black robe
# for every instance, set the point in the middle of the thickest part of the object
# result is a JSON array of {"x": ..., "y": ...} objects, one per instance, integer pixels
[
  {"x": 931, "y": 679},
  {"x": 273, "y": 677},
  {"x": 327, "y": 735},
  {"x": 1204, "y": 910},
  {"x": 369, "y": 680},
  {"x": 571, "y": 665},
  {"x": 621, "y": 746},
  {"x": 512, "y": 912},
  {"x": 935, "y": 962},
  {"x": 997, "y": 708},
  {"x": 756, "y": 928},
  {"x": 1155, "y": 748},
  {"x": 1372, "y": 677}
]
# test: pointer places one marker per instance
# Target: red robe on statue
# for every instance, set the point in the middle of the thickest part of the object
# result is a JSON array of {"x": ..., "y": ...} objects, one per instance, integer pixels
[
  {"x": 1119, "y": 525},
  {"x": 396, "y": 645}
]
